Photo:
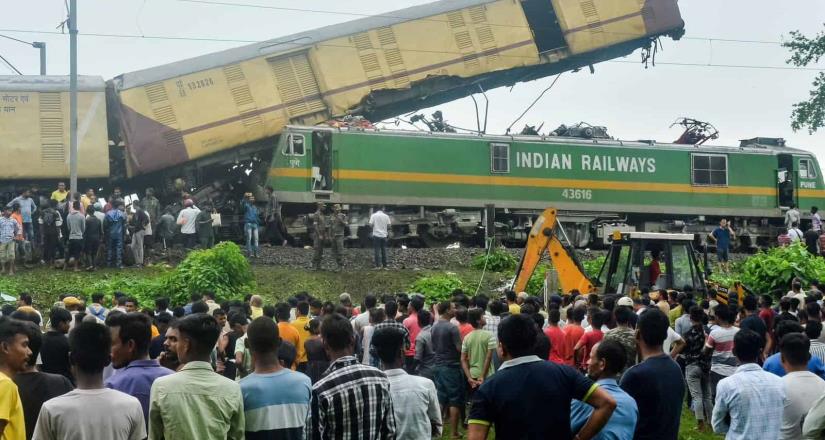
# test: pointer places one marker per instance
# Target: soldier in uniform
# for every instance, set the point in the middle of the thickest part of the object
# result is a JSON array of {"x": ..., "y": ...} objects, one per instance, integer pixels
[
  {"x": 338, "y": 226},
  {"x": 319, "y": 221}
]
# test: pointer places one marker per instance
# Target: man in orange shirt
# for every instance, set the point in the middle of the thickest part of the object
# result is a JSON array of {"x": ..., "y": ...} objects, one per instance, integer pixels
[
  {"x": 287, "y": 331},
  {"x": 573, "y": 331}
]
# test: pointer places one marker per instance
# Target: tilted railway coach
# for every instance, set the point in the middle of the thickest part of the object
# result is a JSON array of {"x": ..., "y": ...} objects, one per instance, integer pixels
[
  {"x": 438, "y": 184},
  {"x": 226, "y": 106}
]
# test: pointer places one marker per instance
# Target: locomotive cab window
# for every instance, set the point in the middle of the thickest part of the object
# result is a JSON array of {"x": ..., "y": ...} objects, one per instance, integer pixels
[
  {"x": 294, "y": 145},
  {"x": 806, "y": 169},
  {"x": 709, "y": 169},
  {"x": 499, "y": 158}
]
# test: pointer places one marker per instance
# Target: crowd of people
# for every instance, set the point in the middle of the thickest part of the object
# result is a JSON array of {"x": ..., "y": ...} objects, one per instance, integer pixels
[
  {"x": 84, "y": 232},
  {"x": 578, "y": 366}
]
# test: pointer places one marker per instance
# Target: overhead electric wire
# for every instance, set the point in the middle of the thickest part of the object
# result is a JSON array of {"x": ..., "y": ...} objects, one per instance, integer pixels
[
  {"x": 10, "y": 65},
  {"x": 400, "y": 17},
  {"x": 226, "y": 40},
  {"x": 534, "y": 102},
  {"x": 15, "y": 39}
]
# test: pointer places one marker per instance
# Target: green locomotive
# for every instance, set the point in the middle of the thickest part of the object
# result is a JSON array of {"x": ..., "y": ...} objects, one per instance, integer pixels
[{"x": 437, "y": 185}]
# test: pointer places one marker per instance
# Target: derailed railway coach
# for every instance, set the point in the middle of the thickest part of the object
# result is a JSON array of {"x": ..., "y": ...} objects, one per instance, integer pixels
[{"x": 438, "y": 186}]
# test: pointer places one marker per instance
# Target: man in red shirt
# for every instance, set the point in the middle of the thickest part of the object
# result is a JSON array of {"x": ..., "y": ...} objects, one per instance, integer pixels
[
  {"x": 559, "y": 347},
  {"x": 655, "y": 269},
  {"x": 411, "y": 324},
  {"x": 573, "y": 331},
  {"x": 767, "y": 315},
  {"x": 590, "y": 338}
]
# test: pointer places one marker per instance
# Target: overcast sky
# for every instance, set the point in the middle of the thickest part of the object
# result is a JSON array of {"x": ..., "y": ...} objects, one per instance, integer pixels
[{"x": 633, "y": 102}]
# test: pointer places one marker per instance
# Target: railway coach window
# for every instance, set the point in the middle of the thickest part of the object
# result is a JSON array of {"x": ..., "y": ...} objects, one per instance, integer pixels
[
  {"x": 294, "y": 145},
  {"x": 710, "y": 169},
  {"x": 806, "y": 169},
  {"x": 499, "y": 158}
]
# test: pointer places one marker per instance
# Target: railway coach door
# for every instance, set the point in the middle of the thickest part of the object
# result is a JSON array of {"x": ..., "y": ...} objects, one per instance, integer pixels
[
  {"x": 321, "y": 162},
  {"x": 786, "y": 181}
]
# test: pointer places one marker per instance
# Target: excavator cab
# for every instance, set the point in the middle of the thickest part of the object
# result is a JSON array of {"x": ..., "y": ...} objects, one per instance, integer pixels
[{"x": 652, "y": 260}]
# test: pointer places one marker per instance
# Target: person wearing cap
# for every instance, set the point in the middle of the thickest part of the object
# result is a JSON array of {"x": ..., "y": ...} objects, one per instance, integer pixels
[
  {"x": 187, "y": 219},
  {"x": 319, "y": 221}
]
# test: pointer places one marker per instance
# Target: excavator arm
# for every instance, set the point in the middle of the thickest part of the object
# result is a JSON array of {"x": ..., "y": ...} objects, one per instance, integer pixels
[{"x": 543, "y": 239}]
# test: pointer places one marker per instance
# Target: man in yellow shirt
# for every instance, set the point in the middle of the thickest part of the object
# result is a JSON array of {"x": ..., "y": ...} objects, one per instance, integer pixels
[
  {"x": 87, "y": 199},
  {"x": 60, "y": 194},
  {"x": 14, "y": 352},
  {"x": 256, "y": 305},
  {"x": 512, "y": 305},
  {"x": 301, "y": 324}
]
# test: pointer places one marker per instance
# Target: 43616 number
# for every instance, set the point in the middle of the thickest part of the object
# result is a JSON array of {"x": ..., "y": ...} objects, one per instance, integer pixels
[{"x": 577, "y": 194}]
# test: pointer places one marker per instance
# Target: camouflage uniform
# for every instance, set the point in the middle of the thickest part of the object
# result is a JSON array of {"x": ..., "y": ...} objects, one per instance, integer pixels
[
  {"x": 626, "y": 337},
  {"x": 338, "y": 227},
  {"x": 319, "y": 221}
]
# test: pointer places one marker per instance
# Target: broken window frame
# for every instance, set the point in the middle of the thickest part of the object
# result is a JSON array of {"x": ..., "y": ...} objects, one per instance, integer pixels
[
  {"x": 710, "y": 170},
  {"x": 289, "y": 148},
  {"x": 496, "y": 147}
]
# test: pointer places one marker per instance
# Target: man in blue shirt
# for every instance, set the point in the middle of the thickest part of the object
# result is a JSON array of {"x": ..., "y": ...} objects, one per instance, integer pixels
[
  {"x": 722, "y": 236},
  {"x": 773, "y": 364},
  {"x": 115, "y": 225},
  {"x": 27, "y": 208},
  {"x": 131, "y": 335},
  {"x": 275, "y": 399},
  {"x": 251, "y": 222},
  {"x": 607, "y": 359}
]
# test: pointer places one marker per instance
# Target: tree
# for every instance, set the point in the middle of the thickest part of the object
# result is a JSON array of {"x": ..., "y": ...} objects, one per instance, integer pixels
[{"x": 804, "y": 52}]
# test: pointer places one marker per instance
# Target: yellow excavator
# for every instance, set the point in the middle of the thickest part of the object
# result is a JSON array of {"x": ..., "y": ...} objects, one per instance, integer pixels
[{"x": 634, "y": 260}]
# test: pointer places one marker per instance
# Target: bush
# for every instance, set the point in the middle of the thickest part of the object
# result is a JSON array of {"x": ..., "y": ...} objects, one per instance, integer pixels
[
  {"x": 223, "y": 270},
  {"x": 497, "y": 260},
  {"x": 773, "y": 270},
  {"x": 437, "y": 288}
]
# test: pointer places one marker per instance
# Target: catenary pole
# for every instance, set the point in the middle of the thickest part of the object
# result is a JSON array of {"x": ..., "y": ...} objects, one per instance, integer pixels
[
  {"x": 73, "y": 97},
  {"x": 42, "y": 47}
]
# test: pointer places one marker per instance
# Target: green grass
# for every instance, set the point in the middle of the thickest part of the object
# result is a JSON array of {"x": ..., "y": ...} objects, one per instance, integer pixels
[
  {"x": 687, "y": 429},
  {"x": 273, "y": 283}
]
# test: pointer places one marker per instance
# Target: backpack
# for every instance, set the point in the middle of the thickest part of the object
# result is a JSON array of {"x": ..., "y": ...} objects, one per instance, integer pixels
[{"x": 49, "y": 218}]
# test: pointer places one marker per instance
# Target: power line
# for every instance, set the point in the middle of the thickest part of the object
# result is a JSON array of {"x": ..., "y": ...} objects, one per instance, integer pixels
[
  {"x": 15, "y": 39},
  {"x": 10, "y": 65},
  {"x": 442, "y": 52},
  {"x": 535, "y": 101},
  {"x": 429, "y": 19}
]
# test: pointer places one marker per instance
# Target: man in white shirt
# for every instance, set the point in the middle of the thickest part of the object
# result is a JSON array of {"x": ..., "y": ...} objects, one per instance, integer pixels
[
  {"x": 188, "y": 225},
  {"x": 792, "y": 216},
  {"x": 794, "y": 233},
  {"x": 77, "y": 414},
  {"x": 802, "y": 388},
  {"x": 380, "y": 223},
  {"x": 414, "y": 398}
]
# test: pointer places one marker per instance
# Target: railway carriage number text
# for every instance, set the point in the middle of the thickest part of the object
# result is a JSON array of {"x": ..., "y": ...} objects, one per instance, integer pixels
[
  {"x": 577, "y": 194},
  {"x": 199, "y": 84}
]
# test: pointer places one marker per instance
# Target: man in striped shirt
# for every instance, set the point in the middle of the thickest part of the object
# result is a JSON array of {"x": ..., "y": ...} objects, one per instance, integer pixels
[
  {"x": 351, "y": 400},
  {"x": 813, "y": 330}
]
